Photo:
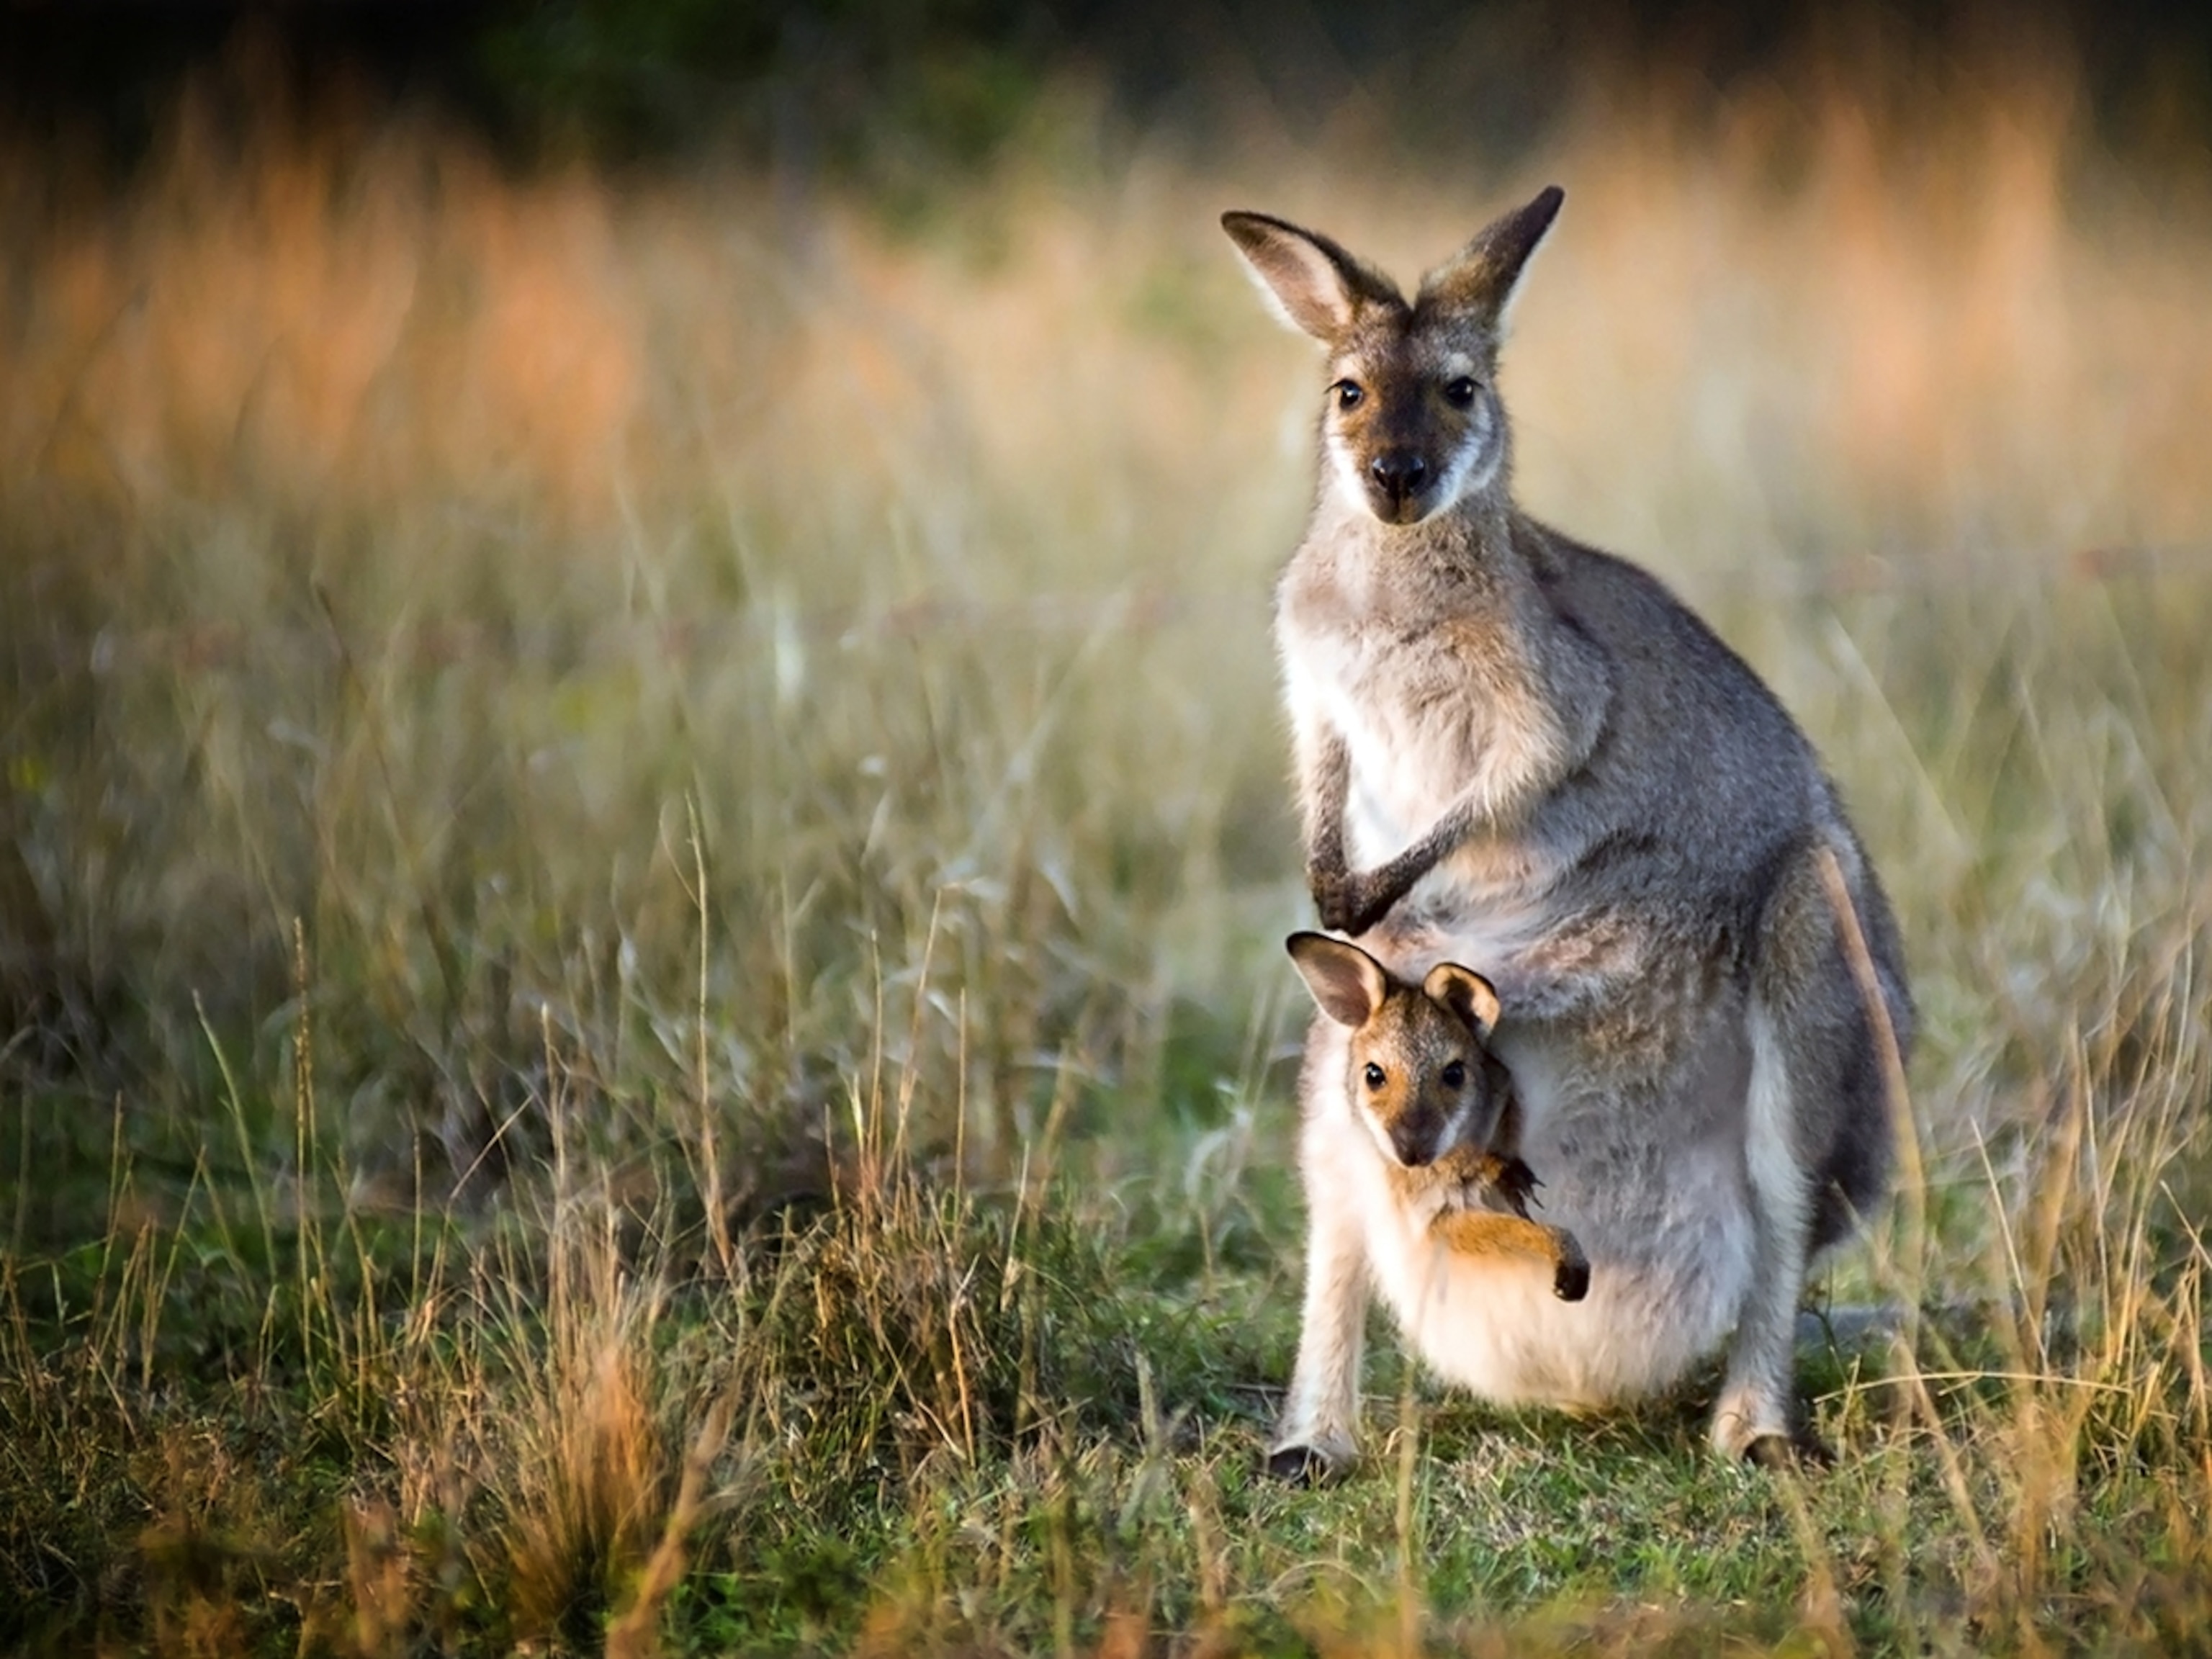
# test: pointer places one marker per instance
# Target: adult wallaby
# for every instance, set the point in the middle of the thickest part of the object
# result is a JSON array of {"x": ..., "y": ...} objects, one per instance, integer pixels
[{"x": 1516, "y": 751}]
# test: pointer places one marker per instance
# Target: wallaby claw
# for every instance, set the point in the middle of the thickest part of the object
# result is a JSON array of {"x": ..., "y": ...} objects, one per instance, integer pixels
[
  {"x": 1342, "y": 906},
  {"x": 1516, "y": 1184}
]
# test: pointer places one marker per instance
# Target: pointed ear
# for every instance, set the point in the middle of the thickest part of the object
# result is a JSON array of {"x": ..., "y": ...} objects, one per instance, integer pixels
[
  {"x": 1467, "y": 994},
  {"x": 1309, "y": 280},
  {"x": 1483, "y": 276},
  {"x": 1348, "y": 983}
]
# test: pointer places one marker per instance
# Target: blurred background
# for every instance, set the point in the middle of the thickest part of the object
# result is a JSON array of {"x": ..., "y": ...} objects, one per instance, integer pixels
[
  {"x": 732, "y": 542},
  {"x": 640, "y": 779}
]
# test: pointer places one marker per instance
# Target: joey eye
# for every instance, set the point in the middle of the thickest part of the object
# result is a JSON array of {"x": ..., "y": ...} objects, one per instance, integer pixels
[
  {"x": 1460, "y": 393},
  {"x": 1455, "y": 1075},
  {"x": 1349, "y": 394},
  {"x": 1375, "y": 1076}
]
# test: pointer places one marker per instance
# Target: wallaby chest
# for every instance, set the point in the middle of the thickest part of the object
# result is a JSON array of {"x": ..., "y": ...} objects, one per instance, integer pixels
[{"x": 1438, "y": 682}]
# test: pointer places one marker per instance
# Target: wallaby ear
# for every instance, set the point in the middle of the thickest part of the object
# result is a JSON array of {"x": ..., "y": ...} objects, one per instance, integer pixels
[
  {"x": 1348, "y": 983},
  {"x": 1467, "y": 994},
  {"x": 1310, "y": 282},
  {"x": 1483, "y": 276}
]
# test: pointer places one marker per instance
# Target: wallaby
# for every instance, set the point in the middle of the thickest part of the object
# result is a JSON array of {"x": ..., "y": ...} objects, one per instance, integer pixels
[
  {"x": 1445, "y": 1173},
  {"x": 1440, "y": 1103},
  {"x": 1518, "y": 751}
]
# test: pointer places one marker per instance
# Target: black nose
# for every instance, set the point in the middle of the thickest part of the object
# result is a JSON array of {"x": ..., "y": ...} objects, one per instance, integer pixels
[
  {"x": 1414, "y": 1151},
  {"x": 1398, "y": 473}
]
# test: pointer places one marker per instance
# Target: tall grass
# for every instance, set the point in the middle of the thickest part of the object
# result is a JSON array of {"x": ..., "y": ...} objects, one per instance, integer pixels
[{"x": 644, "y": 849}]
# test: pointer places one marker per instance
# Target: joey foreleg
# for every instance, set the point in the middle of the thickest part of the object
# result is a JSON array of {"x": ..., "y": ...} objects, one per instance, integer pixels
[{"x": 1484, "y": 1233}]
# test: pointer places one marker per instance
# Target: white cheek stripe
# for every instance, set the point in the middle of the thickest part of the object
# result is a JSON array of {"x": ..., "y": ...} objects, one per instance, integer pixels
[
  {"x": 1345, "y": 468},
  {"x": 1372, "y": 1124},
  {"x": 1483, "y": 446}
]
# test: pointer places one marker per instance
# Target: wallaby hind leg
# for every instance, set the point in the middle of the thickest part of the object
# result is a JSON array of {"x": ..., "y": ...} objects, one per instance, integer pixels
[
  {"x": 1486, "y": 1232},
  {"x": 1320, "y": 1428},
  {"x": 1818, "y": 1139}
]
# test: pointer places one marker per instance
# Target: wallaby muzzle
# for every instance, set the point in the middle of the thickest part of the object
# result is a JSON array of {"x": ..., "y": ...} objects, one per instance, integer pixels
[
  {"x": 1395, "y": 479},
  {"x": 1415, "y": 1143}
]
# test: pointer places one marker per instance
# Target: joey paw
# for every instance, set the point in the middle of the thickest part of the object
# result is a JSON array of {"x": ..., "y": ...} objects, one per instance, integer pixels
[{"x": 1516, "y": 1184}]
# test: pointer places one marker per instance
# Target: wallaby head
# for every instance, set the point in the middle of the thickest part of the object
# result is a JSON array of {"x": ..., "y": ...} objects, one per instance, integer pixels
[
  {"x": 1419, "y": 1069},
  {"x": 1412, "y": 422}
]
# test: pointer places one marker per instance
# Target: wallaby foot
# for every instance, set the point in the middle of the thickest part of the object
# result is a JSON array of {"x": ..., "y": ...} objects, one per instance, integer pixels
[
  {"x": 1302, "y": 1465},
  {"x": 1762, "y": 1424},
  {"x": 1800, "y": 1450},
  {"x": 1485, "y": 1232}
]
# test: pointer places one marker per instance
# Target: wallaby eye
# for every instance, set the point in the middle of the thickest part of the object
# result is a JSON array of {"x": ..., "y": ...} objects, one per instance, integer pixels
[
  {"x": 1349, "y": 394},
  {"x": 1460, "y": 393},
  {"x": 1455, "y": 1075},
  {"x": 1375, "y": 1076}
]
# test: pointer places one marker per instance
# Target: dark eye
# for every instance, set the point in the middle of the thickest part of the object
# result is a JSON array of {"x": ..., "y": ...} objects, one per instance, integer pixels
[
  {"x": 1455, "y": 1075},
  {"x": 1349, "y": 394},
  {"x": 1460, "y": 393},
  {"x": 1376, "y": 1077}
]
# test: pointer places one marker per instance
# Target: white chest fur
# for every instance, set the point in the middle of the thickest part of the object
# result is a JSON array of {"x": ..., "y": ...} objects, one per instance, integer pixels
[{"x": 1416, "y": 747}]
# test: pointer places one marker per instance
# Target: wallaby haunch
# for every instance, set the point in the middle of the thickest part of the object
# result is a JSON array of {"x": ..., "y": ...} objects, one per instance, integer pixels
[{"x": 1516, "y": 751}]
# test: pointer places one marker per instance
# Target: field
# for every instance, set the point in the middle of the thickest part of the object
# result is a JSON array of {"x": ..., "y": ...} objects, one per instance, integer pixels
[{"x": 645, "y": 843}]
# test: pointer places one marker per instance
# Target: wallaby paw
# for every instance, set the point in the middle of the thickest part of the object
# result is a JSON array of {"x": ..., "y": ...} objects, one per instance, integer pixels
[
  {"x": 1570, "y": 1282},
  {"x": 1302, "y": 1465},
  {"x": 1343, "y": 908},
  {"x": 1516, "y": 1183},
  {"x": 1348, "y": 902}
]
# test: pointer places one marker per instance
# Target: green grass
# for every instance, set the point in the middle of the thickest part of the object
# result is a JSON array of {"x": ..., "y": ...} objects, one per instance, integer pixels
[{"x": 642, "y": 866}]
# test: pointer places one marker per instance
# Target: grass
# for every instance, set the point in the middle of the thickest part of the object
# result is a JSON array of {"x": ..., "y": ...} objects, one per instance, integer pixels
[{"x": 646, "y": 848}]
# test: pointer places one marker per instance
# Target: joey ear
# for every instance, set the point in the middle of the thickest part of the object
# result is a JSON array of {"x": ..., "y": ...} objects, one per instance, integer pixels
[
  {"x": 1467, "y": 994},
  {"x": 1483, "y": 276},
  {"x": 1348, "y": 983},
  {"x": 1310, "y": 282}
]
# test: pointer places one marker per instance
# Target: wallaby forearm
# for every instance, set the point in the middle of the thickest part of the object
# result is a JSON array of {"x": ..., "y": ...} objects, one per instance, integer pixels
[
  {"x": 1353, "y": 901},
  {"x": 1327, "y": 787}
]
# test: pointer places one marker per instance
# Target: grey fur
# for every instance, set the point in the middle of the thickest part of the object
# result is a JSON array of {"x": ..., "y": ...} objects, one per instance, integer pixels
[{"x": 1519, "y": 752}]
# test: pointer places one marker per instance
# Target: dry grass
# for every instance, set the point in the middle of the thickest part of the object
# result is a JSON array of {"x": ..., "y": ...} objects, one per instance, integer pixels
[{"x": 744, "y": 743}]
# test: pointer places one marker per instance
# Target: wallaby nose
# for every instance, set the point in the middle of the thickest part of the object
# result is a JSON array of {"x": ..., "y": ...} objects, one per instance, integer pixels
[
  {"x": 1414, "y": 1150},
  {"x": 1398, "y": 473}
]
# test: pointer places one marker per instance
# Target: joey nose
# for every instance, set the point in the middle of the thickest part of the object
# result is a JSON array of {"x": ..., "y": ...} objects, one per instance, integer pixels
[
  {"x": 1414, "y": 1150},
  {"x": 1398, "y": 474}
]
